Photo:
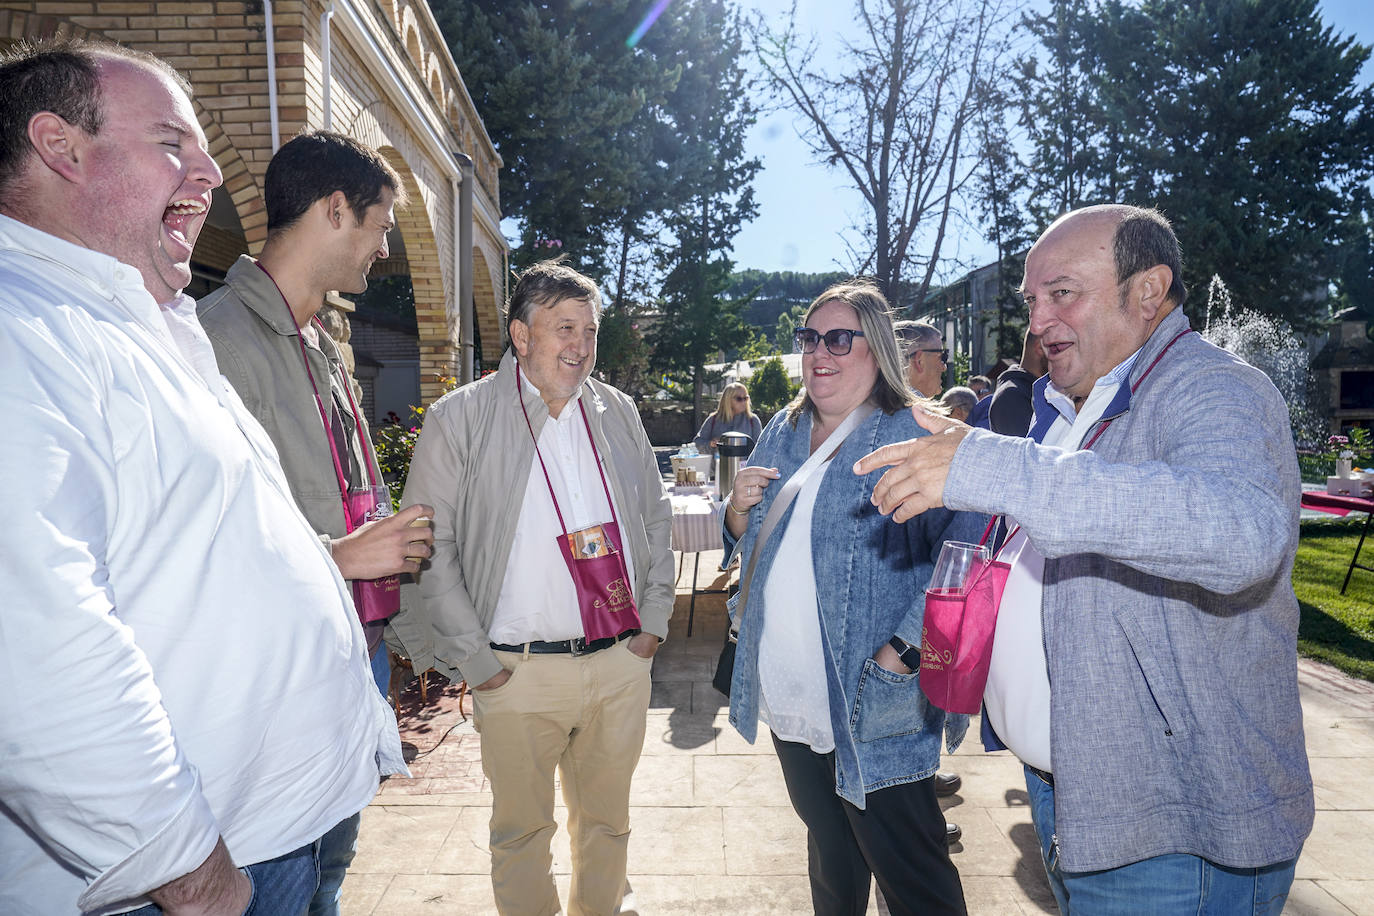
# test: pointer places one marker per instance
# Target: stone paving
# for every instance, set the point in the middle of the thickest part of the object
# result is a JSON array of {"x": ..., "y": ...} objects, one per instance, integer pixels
[{"x": 713, "y": 831}]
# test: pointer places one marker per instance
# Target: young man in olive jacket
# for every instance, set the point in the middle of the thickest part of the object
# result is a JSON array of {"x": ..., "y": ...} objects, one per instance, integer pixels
[{"x": 329, "y": 207}]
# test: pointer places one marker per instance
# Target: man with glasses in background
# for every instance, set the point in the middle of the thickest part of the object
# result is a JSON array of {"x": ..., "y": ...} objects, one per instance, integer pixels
[{"x": 926, "y": 357}]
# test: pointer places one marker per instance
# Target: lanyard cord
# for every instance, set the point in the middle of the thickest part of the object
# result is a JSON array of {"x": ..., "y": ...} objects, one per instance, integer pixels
[
  {"x": 1138, "y": 382},
  {"x": 520, "y": 393}
]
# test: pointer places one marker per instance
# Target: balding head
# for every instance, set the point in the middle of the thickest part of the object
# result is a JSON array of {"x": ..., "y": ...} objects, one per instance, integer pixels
[{"x": 1091, "y": 301}]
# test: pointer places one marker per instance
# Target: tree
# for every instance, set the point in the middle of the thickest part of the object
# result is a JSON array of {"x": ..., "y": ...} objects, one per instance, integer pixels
[
  {"x": 622, "y": 356},
  {"x": 710, "y": 112},
  {"x": 999, "y": 191},
  {"x": 788, "y": 322},
  {"x": 769, "y": 387},
  {"x": 1354, "y": 276},
  {"x": 1241, "y": 119},
  {"x": 895, "y": 120},
  {"x": 573, "y": 111}
]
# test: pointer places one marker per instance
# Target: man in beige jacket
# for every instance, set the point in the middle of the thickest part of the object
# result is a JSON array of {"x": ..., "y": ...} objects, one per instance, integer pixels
[{"x": 511, "y": 463}]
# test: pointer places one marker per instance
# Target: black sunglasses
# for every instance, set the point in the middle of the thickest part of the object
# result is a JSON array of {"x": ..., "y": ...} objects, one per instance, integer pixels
[
  {"x": 839, "y": 341},
  {"x": 944, "y": 354}
]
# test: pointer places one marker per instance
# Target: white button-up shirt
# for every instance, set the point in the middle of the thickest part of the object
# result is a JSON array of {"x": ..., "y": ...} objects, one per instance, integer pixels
[
  {"x": 538, "y": 600},
  {"x": 181, "y": 658},
  {"x": 1018, "y": 690}
]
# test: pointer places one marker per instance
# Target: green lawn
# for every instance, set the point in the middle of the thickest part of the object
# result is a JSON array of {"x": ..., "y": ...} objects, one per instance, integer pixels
[{"x": 1336, "y": 629}]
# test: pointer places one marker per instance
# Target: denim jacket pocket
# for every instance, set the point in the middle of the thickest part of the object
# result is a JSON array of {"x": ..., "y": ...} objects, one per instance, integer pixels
[{"x": 887, "y": 704}]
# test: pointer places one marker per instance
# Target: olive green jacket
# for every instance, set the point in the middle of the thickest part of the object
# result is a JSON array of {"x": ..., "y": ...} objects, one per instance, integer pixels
[{"x": 255, "y": 340}]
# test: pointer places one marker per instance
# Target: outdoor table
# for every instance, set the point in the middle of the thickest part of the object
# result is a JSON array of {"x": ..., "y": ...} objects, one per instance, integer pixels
[
  {"x": 696, "y": 527},
  {"x": 1343, "y": 505}
]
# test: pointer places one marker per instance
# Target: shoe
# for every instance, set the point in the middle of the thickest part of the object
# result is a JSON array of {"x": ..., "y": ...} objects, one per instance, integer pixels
[
  {"x": 947, "y": 783},
  {"x": 952, "y": 833}
]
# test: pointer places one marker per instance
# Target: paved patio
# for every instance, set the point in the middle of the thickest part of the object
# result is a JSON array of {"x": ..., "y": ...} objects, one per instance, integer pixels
[{"x": 714, "y": 833}]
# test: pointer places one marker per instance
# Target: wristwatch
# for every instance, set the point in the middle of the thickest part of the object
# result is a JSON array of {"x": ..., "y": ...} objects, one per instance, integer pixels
[{"x": 909, "y": 654}]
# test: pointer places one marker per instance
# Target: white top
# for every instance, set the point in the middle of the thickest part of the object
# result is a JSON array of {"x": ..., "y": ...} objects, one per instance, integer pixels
[
  {"x": 538, "y": 601},
  {"x": 149, "y": 534},
  {"x": 1017, "y": 695},
  {"x": 794, "y": 699}
]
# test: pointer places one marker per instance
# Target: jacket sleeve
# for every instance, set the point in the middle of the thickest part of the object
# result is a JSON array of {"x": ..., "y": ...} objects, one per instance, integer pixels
[
  {"x": 436, "y": 478},
  {"x": 1209, "y": 508},
  {"x": 659, "y": 593},
  {"x": 102, "y": 782},
  {"x": 703, "y": 439}
]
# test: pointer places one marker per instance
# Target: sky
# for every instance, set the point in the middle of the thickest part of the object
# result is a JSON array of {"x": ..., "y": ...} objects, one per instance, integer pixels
[{"x": 805, "y": 207}]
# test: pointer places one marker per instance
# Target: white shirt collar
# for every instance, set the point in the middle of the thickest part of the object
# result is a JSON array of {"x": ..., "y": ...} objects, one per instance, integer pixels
[{"x": 1062, "y": 403}]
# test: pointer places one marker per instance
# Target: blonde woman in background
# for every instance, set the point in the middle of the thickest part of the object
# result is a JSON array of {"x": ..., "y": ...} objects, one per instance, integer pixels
[{"x": 732, "y": 416}]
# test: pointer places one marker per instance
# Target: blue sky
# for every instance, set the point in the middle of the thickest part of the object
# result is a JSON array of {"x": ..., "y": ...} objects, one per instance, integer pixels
[{"x": 805, "y": 208}]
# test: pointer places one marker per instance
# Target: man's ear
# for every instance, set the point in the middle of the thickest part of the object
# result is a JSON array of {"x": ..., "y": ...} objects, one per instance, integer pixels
[
  {"x": 1151, "y": 291},
  {"x": 58, "y": 144},
  {"x": 337, "y": 210},
  {"x": 520, "y": 337}
]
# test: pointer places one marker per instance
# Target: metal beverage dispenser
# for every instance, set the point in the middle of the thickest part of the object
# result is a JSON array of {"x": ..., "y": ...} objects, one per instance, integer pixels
[{"x": 731, "y": 451}]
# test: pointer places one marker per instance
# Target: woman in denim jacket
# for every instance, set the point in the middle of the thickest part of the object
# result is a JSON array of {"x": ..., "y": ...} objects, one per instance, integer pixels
[{"x": 821, "y": 644}]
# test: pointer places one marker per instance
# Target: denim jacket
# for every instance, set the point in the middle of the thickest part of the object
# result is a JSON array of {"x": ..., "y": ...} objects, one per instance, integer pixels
[{"x": 871, "y": 575}]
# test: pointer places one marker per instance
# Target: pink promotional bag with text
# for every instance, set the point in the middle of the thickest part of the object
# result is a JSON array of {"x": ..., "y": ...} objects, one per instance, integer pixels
[{"x": 956, "y": 636}]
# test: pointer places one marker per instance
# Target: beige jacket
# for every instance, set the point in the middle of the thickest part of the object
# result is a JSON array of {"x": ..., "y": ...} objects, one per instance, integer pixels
[{"x": 472, "y": 463}]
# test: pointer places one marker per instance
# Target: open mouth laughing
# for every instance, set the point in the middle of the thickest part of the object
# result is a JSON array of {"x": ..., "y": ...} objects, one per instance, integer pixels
[{"x": 180, "y": 220}]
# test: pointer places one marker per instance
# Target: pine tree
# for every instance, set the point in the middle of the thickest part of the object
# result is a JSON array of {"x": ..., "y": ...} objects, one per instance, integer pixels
[
  {"x": 710, "y": 113},
  {"x": 1242, "y": 120}
]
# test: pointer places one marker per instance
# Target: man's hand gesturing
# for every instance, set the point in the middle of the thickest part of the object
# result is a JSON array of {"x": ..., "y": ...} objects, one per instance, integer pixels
[{"x": 916, "y": 481}]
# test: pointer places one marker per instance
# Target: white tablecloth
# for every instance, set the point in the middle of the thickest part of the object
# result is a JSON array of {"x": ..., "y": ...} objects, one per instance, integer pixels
[{"x": 696, "y": 522}]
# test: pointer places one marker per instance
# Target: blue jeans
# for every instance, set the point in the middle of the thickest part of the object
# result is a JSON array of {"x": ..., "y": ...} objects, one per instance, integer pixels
[
  {"x": 1164, "y": 885},
  {"x": 281, "y": 886},
  {"x": 335, "y": 853},
  {"x": 381, "y": 669}
]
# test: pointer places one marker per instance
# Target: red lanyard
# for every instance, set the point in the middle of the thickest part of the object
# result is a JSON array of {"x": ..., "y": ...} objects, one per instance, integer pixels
[
  {"x": 1103, "y": 428},
  {"x": 520, "y": 393}
]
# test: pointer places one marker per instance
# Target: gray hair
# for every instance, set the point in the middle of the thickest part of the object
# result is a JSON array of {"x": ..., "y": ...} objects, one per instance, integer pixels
[
  {"x": 959, "y": 398},
  {"x": 890, "y": 392},
  {"x": 1144, "y": 238},
  {"x": 913, "y": 334},
  {"x": 545, "y": 284}
]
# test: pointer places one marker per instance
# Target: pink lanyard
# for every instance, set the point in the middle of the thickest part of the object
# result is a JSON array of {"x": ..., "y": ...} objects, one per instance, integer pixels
[
  {"x": 520, "y": 393},
  {"x": 1100, "y": 430},
  {"x": 329, "y": 428}
]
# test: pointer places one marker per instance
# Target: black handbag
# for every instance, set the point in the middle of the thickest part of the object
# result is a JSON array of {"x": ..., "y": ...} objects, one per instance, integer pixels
[{"x": 725, "y": 664}]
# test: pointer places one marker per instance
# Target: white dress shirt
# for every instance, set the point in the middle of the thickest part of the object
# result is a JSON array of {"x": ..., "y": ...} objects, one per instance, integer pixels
[
  {"x": 1018, "y": 690},
  {"x": 153, "y": 561},
  {"x": 538, "y": 600}
]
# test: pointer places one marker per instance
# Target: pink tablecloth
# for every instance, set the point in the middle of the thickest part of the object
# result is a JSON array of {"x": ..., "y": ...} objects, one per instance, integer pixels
[{"x": 1335, "y": 505}]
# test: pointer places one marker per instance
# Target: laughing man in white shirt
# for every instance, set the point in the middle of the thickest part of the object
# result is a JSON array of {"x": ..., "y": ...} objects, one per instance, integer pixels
[{"x": 151, "y": 552}]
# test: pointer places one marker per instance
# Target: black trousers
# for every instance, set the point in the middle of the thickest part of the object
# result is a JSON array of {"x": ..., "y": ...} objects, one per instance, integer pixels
[{"x": 899, "y": 839}]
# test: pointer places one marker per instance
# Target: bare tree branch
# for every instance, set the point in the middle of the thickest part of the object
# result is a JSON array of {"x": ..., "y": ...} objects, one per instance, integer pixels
[{"x": 894, "y": 119}]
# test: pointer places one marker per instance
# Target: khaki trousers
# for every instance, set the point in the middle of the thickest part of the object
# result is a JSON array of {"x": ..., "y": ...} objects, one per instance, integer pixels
[{"x": 585, "y": 717}]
